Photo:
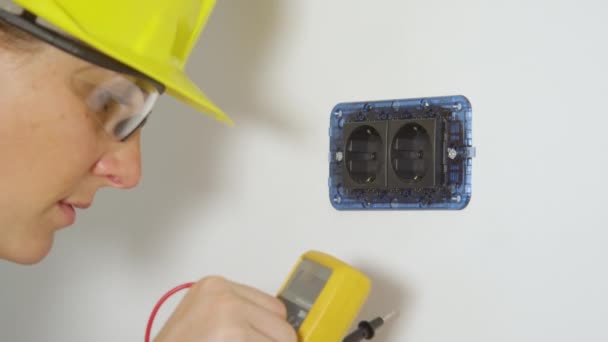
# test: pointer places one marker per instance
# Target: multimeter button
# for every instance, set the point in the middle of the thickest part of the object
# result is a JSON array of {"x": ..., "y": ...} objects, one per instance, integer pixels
[{"x": 302, "y": 314}]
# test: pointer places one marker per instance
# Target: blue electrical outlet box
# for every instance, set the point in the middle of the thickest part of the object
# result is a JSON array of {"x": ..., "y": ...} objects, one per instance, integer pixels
[{"x": 401, "y": 154}]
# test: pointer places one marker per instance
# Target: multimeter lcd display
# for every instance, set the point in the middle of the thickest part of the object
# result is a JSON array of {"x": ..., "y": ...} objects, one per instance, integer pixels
[{"x": 303, "y": 289}]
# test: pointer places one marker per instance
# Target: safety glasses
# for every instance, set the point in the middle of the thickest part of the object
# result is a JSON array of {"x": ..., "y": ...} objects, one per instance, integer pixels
[
  {"x": 121, "y": 103},
  {"x": 121, "y": 100}
]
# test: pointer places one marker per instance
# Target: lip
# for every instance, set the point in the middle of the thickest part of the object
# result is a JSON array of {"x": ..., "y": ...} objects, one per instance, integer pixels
[
  {"x": 80, "y": 205},
  {"x": 69, "y": 213}
]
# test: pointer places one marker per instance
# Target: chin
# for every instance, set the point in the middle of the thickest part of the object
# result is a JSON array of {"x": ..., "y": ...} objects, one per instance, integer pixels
[{"x": 31, "y": 252}]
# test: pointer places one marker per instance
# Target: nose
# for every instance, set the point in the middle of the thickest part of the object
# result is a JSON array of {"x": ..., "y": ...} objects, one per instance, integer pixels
[{"x": 120, "y": 165}]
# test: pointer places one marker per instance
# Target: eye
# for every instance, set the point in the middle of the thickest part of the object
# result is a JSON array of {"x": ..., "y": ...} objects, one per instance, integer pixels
[
  {"x": 107, "y": 102},
  {"x": 108, "y": 108}
]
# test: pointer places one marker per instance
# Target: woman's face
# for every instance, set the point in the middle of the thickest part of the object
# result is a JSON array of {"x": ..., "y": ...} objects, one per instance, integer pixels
[{"x": 54, "y": 154}]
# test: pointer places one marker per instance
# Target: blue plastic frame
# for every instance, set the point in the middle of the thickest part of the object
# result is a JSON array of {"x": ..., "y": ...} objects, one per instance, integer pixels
[{"x": 455, "y": 191}]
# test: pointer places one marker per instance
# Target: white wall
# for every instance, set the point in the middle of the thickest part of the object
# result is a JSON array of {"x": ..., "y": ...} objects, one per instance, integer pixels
[{"x": 524, "y": 262}]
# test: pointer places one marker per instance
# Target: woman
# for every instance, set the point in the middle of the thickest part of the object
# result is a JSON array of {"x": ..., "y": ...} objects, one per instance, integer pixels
[{"x": 78, "y": 81}]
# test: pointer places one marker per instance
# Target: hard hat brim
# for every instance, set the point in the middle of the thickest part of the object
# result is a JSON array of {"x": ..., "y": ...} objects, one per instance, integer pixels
[
  {"x": 172, "y": 76},
  {"x": 178, "y": 84}
]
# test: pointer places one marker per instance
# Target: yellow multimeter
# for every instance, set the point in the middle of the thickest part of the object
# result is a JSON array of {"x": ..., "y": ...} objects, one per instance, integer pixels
[{"x": 323, "y": 296}]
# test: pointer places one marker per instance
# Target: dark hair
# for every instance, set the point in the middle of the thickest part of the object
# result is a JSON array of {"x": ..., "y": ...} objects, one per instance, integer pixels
[{"x": 13, "y": 38}]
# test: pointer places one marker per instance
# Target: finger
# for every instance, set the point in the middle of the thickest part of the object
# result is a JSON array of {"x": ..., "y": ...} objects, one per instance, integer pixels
[
  {"x": 261, "y": 299},
  {"x": 269, "y": 324},
  {"x": 255, "y": 336}
]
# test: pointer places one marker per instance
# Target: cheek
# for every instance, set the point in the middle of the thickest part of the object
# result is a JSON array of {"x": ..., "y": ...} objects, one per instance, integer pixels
[
  {"x": 48, "y": 144},
  {"x": 53, "y": 145},
  {"x": 46, "y": 153},
  {"x": 73, "y": 146}
]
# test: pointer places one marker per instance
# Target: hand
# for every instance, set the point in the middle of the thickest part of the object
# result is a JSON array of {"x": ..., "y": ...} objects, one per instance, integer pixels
[{"x": 218, "y": 310}]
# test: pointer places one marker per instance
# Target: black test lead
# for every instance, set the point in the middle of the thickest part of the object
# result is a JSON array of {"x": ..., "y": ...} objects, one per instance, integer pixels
[{"x": 367, "y": 329}]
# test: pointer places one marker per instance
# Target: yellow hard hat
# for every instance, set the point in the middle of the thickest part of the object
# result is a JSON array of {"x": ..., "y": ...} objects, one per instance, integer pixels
[{"x": 154, "y": 37}]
